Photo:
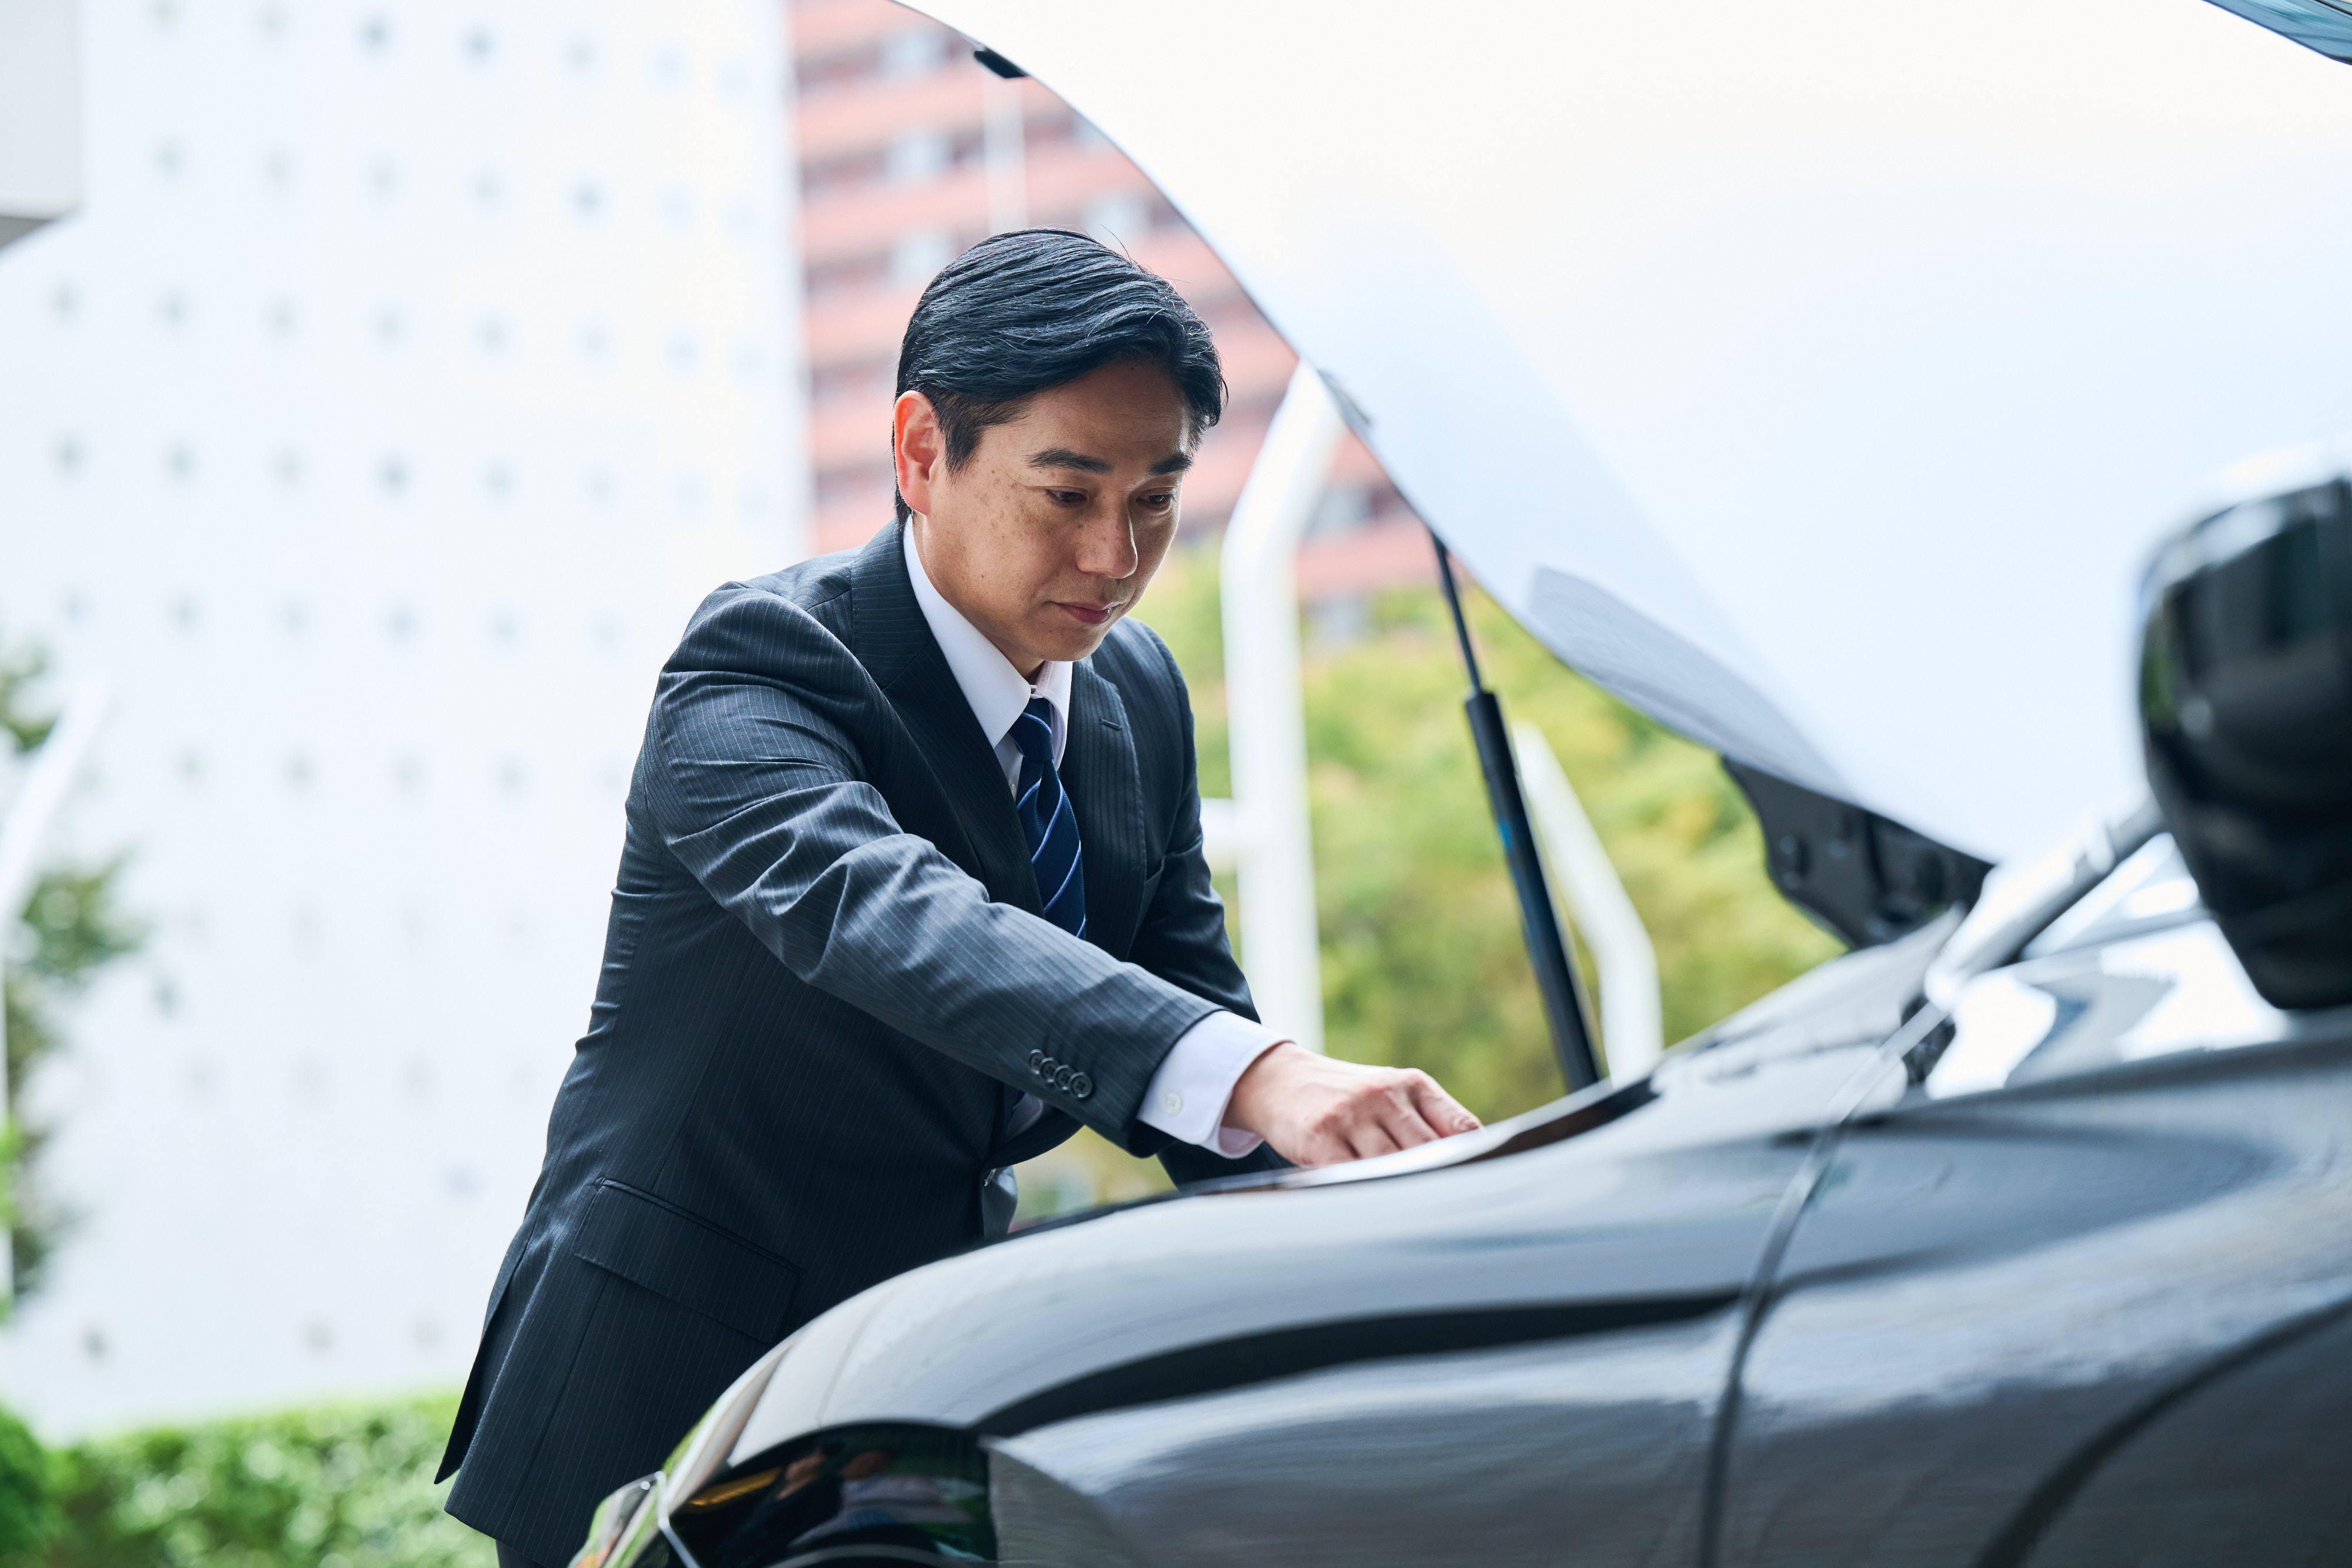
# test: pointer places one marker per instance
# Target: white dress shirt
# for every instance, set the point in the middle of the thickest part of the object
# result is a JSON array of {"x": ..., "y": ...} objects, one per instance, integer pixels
[{"x": 1187, "y": 1097}]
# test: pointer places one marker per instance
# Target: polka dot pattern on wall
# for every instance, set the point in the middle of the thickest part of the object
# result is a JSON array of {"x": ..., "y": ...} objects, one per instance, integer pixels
[{"x": 411, "y": 372}]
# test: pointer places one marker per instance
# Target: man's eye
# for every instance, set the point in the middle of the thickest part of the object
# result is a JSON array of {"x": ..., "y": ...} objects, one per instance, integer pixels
[
  {"x": 1067, "y": 497},
  {"x": 1160, "y": 503}
]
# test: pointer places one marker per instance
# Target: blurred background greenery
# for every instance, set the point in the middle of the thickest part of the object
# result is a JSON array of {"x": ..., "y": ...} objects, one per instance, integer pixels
[
  {"x": 71, "y": 926},
  {"x": 332, "y": 1487},
  {"x": 1423, "y": 962},
  {"x": 342, "y": 1485}
]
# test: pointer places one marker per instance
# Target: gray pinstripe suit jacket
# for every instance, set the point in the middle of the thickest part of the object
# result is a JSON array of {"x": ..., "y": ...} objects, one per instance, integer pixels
[{"x": 824, "y": 964}]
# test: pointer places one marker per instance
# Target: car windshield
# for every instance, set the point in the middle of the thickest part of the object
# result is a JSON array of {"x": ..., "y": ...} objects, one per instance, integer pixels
[
  {"x": 2132, "y": 970},
  {"x": 2315, "y": 23}
]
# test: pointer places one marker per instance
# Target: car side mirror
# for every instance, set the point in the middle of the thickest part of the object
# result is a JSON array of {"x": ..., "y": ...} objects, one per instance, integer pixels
[{"x": 2246, "y": 712}]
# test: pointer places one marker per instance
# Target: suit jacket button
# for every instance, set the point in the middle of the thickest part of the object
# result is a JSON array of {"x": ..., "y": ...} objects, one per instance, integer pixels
[
  {"x": 1037, "y": 1061},
  {"x": 1063, "y": 1075},
  {"x": 1080, "y": 1086}
]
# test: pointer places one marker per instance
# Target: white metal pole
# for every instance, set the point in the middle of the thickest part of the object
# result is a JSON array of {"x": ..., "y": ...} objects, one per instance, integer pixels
[
  {"x": 1633, "y": 1030},
  {"x": 46, "y": 783},
  {"x": 1276, "y": 853}
]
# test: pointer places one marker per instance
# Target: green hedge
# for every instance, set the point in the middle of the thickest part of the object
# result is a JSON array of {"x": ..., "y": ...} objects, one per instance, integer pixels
[
  {"x": 340, "y": 1486},
  {"x": 27, "y": 1494}
]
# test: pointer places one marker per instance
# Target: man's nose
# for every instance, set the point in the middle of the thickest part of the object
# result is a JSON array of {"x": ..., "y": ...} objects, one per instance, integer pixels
[{"x": 1107, "y": 543}]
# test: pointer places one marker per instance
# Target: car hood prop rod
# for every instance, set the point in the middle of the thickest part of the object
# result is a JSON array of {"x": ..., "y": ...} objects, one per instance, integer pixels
[{"x": 1571, "y": 1034}]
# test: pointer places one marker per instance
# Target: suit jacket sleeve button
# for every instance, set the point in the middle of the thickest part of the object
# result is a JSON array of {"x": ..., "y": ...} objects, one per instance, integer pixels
[
  {"x": 1037, "y": 1061},
  {"x": 1080, "y": 1086},
  {"x": 1063, "y": 1075}
]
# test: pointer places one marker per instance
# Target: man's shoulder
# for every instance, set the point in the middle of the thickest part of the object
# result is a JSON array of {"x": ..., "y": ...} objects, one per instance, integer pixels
[
  {"x": 1134, "y": 658},
  {"x": 810, "y": 585},
  {"x": 1151, "y": 688},
  {"x": 809, "y": 597}
]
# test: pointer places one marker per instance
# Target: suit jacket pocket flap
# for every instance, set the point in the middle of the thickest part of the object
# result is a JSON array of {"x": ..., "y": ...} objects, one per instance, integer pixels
[{"x": 652, "y": 1243}]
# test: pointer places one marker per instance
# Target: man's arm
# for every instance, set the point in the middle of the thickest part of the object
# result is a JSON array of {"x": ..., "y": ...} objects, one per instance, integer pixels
[
  {"x": 1182, "y": 940},
  {"x": 1222, "y": 1082},
  {"x": 760, "y": 737}
]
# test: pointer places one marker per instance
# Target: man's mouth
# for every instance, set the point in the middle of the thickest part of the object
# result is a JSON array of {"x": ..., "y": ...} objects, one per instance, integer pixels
[{"x": 1091, "y": 614}]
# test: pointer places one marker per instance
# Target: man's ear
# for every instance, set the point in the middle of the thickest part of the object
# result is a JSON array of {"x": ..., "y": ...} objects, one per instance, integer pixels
[{"x": 917, "y": 448}]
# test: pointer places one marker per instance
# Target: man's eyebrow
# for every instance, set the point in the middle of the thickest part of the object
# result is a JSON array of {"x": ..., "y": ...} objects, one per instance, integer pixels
[{"x": 1063, "y": 457}]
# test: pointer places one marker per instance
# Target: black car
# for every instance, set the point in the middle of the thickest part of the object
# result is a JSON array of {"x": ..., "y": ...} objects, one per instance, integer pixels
[{"x": 2021, "y": 1234}]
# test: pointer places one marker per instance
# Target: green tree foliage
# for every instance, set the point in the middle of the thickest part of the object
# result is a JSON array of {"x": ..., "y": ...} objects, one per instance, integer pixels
[
  {"x": 1423, "y": 962},
  {"x": 28, "y": 1512},
  {"x": 335, "y": 1487},
  {"x": 72, "y": 925},
  {"x": 20, "y": 672}
]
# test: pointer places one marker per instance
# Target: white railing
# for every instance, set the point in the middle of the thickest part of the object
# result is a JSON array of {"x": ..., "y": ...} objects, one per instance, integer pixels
[{"x": 1632, "y": 1033}]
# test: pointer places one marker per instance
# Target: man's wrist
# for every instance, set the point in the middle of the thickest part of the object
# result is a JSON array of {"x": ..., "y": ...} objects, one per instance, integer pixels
[
  {"x": 1189, "y": 1096},
  {"x": 1242, "y": 1108}
]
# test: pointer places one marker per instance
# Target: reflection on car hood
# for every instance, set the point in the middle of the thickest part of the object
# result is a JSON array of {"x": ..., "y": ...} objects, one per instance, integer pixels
[{"x": 1815, "y": 377}]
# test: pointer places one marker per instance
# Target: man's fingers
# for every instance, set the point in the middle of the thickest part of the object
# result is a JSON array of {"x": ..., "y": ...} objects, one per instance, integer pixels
[
  {"x": 1329, "y": 1148},
  {"x": 1401, "y": 1118},
  {"x": 1337, "y": 1148},
  {"x": 1326, "y": 1135},
  {"x": 1441, "y": 1110},
  {"x": 1336, "y": 1111}
]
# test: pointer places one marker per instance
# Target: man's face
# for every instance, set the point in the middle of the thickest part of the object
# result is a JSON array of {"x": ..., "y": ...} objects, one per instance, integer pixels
[{"x": 1054, "y": 528}]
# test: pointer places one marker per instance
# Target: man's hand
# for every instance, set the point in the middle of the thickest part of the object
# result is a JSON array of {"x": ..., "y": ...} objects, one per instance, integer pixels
[{"x": 1318, "y": 1111}]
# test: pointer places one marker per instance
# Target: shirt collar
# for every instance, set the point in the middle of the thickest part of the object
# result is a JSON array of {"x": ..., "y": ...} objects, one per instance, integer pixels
[{"x": 998, "y": 692}]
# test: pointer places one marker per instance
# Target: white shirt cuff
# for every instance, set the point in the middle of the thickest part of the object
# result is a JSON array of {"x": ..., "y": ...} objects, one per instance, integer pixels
[{"x": 1188, "y": 1095}]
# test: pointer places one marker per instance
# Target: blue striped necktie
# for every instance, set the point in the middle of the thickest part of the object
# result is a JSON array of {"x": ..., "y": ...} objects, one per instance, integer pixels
[{"x": 1046, "y": 821}]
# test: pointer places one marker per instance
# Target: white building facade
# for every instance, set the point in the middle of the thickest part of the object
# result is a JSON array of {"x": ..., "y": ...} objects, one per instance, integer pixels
[{"x": 410, "y": 372}]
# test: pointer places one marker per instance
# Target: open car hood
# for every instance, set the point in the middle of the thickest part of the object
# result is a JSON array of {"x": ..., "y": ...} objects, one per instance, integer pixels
[{"x": 1816, "y": 377}]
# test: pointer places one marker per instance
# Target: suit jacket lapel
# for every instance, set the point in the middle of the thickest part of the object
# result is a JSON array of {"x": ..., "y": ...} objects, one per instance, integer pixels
[
  {"x": 1106, "y": 788},
  {"x": 891, "y": 639}
]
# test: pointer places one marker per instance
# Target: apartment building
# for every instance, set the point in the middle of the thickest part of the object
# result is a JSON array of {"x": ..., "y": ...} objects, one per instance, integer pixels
[{"x": 910, "y": 151}]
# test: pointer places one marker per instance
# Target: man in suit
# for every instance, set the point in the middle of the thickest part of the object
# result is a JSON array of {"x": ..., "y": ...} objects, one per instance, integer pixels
[{"x": 911, "y": 887}]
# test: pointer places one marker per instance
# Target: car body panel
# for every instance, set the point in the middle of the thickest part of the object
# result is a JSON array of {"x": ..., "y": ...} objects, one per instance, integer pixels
[
  {"x": 2088, "y": 1269},
  {"x": 1991, "y": 1288},
  {"x": 1494, "y": 1457},
  {"x": 974, "y": 1340}
]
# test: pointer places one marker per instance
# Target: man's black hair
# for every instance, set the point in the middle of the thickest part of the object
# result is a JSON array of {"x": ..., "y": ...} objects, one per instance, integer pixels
[{"x": 1021, "y": 312}]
